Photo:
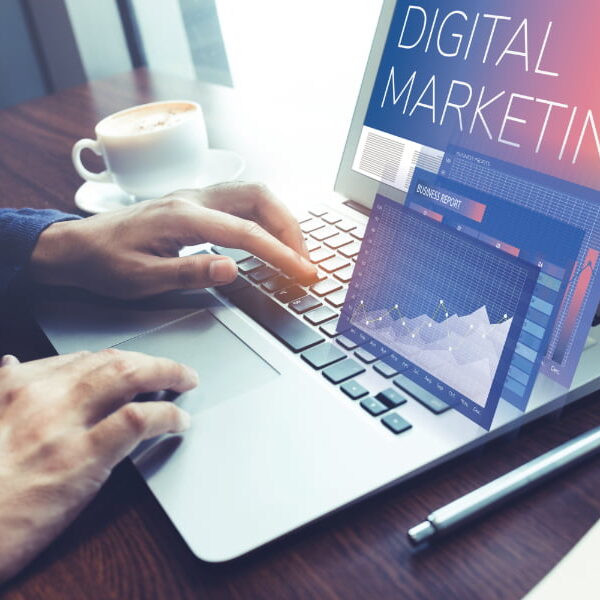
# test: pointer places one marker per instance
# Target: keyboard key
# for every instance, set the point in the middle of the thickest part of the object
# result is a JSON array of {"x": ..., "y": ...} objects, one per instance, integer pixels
[
  {"x": 345, "y": 225},
  {"x": 390, "y": 397},
  {"x": 229, "y": 288},
  {"x": 287, "y": 328},
  {"x": 331, "y": 218},
  {"x": 302, "y": 305},
  {"x": 346, "y": 369},
  {"x": 262, "y": 274},
  {"x": 365, "y": 356},
  {"x": 347, "y": 343},
  {"x": 353, "y": 389},
  {"x": 427, "y": 399},
  {"x": 233, "y": 253},
  {"x": 373, "y": 406},
  {"x": 334, "y": 264},
  {"x": 320, "y": 315},
  {"x": 321, "y": 254},
  {"x": 324, "y": 232},
  {"x": 359, "y": 232},
  {"x": 323, "y": 355},
  {"x": 345, "y": 274},
  {"x": 312, "y": 225},
  {"x": 303, "y": 217},
  {"x": 330, "y": 329},
  {"x": 249, "y": 265},
  {"x": 325, "y": 287},
  {"x": 318, "y": 210},
  {"x": 277, "y": 283},
  {"x": 339, "y": 240},
  {"x": 385, "y": 369},
  {"x": 337, "y": 299},
  {"x": 351, "y": 250},
  {"x": 311, "y": 244},
  {"x": 290, "y": 294},
  {"x": 395, "y": 423}
]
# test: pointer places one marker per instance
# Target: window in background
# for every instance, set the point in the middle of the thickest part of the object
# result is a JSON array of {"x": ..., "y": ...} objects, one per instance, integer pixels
[
  {"x": 182, "y": 37},
  {"x": 49, "y": 45},
  {"x": 204, "y": 37},
  {"x": 20, "y": 75},
  {"x": 99, "y": 36}
]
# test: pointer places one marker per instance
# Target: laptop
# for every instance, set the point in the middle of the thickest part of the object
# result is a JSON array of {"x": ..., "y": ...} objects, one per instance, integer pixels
[{"x": 288, "y": 424}]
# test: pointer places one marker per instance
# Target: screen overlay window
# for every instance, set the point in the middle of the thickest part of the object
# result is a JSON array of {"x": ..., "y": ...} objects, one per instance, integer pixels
[{"x": 485, "y": 118}]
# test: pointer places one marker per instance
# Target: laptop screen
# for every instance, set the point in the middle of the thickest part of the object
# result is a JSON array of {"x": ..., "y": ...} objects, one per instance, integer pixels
[
  {"x": 515, "y": 81},
  {"x": 484, "y": 118}
]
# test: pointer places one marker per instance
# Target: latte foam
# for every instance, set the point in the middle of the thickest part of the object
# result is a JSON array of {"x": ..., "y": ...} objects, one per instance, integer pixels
[{"x": 147, "y": 119}]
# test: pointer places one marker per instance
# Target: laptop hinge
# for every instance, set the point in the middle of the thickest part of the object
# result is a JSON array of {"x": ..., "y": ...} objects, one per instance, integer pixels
[{"x": 357, "y": 206}]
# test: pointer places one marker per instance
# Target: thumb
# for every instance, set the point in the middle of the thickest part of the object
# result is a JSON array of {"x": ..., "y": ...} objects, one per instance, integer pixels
[{"x": 197, "y": 271}]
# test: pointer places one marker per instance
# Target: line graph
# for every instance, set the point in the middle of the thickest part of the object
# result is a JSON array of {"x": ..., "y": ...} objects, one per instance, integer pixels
[
  {"x": 441, "y": 308},
  {"x": 448, "y": 304},
  {"x": 424, "y": 327},
  {"x": 395, "y": 310},
  {"x": 443, "y": 343}
]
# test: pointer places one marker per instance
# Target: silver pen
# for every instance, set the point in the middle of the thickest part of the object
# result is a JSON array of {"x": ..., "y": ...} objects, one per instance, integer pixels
[{"x": 483, "y": 499}]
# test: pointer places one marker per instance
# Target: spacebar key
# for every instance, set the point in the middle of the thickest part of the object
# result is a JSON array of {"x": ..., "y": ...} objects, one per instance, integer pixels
[{"x": 290, "y": 330}]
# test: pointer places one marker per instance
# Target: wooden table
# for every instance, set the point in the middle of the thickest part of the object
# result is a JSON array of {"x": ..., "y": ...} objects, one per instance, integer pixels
[{"x": 123, "y": 545}]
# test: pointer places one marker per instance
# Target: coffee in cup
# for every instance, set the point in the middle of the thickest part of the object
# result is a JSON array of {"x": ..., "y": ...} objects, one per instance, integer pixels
[{"x": 149, "y": 150}]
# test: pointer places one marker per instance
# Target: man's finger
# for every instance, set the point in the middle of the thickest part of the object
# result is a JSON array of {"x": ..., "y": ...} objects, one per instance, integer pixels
[
  {"x": 257, "y": 203},
  {"x": 193, "y": 272},
  {"x": 108, "y": 379},
  {"x": 195, "y": 225},
  {"x": 117, "y": 435},
  {"x": 44, "y": 367},
  {"x": 9, "y": 359}
]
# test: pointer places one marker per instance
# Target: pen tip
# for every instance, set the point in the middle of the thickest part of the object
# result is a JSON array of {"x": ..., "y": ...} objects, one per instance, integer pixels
[{"x": 421, "y": 533}]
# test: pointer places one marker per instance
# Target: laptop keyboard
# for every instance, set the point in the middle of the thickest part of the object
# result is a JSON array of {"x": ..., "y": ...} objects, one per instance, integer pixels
[{"x": 304, "y": 318}]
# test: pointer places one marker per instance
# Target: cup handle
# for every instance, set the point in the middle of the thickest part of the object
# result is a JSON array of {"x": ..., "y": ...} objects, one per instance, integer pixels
[{"x": 94, "y": 146}]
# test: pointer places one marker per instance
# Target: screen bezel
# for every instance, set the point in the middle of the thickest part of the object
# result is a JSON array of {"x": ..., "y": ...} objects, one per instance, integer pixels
[{"x": 350, "y": 184}]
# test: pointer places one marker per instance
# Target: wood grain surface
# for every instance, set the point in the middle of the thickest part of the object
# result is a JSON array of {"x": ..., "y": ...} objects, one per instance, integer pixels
[{"x": 123, "y": 545}]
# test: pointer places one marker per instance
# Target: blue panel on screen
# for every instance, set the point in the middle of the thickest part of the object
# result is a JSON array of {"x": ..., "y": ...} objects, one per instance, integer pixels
[
  {"x": 536, "y": 238},
  {"x": 447, "y": 309},
  {"x": 572, "y": 204}
]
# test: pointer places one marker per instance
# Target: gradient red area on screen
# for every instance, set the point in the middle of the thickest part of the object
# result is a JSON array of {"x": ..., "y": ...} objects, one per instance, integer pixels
[{"x": 572, "y": 50}]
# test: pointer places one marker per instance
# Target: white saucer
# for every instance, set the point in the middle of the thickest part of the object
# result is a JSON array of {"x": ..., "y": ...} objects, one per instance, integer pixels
[{"x": 93, "y": 197}]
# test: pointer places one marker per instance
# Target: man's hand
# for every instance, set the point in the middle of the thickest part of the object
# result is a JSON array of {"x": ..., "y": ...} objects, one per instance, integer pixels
[
  {"x": 133, "y": 252},
  {"x": 65, "y": 422}
]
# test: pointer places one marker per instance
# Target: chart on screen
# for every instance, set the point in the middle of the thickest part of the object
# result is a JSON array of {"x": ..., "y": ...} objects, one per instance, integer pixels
[
  {"x": 446, "y": 307},
  {"x": 572, "y": 204}
]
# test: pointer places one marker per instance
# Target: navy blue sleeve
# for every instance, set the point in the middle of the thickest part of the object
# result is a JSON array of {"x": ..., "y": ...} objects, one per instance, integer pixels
[{"x": 19, "y": 232}]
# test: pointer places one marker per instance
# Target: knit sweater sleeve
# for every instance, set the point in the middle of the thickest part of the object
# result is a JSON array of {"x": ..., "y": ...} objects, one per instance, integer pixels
[{"x": 19, "y": 232}]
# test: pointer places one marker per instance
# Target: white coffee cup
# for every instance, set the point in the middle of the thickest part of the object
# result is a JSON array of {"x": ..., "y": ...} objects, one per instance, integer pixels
[{"x": 149, "y": 150}]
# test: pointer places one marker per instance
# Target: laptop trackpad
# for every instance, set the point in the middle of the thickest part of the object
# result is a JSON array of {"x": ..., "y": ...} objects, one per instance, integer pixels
[{"x": 226, "y": 365}]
